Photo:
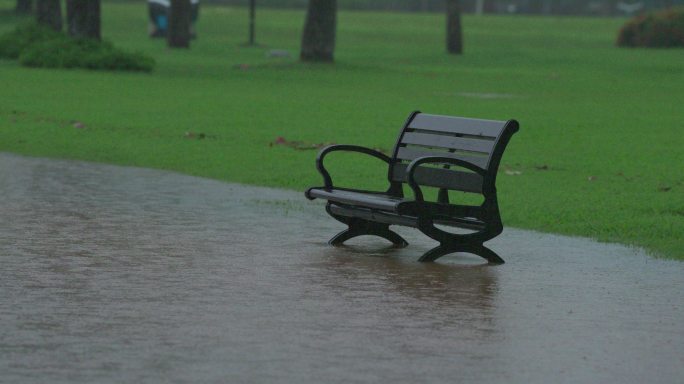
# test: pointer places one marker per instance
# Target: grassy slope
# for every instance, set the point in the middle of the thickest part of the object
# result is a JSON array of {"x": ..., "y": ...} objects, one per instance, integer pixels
[{"x": 606, "y": 122}]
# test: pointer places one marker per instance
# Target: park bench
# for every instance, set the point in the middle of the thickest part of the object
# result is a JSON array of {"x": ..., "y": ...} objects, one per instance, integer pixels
[{"x": 442, "y": 152}]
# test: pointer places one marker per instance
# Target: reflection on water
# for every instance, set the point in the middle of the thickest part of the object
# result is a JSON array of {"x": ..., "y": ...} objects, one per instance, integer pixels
[
  {"x": 430, "y": 287},
  {"x": 114, "y": 274}
]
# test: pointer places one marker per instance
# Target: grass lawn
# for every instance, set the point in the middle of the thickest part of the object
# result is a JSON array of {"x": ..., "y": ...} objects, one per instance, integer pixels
[{"x": 599, "y": 154}]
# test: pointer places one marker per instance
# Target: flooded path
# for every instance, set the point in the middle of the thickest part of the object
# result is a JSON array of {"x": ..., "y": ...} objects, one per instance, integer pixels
[{"x": 113, "y": 274}]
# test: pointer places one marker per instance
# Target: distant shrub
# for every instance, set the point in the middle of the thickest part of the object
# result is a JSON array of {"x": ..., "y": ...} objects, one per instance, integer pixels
[
  {"x": 83, "y": 53},
  {"x": 37, "y": 46},
  {"x": 656, "y": 29},
  {"x": 13, "y": 43}
]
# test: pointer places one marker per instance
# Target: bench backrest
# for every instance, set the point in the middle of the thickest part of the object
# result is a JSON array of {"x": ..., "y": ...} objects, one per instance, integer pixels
[{"x": 481, "y": 142}]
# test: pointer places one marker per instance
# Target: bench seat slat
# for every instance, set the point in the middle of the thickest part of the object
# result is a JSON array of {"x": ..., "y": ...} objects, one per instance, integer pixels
[
  {"x": 408, "y": 221},
  {"x": 448, "y": 142},
  {"x": 441, "y": 178},
  {"x": 466, "y": 223},
  {"x": 475, "y": 127},
  {"x": 381, "y": 217},
  {"x": 369, "y": 200},
  {"x": 406, "y": 153}
]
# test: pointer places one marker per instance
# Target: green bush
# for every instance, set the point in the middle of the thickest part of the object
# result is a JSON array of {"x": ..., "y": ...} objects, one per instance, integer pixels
[
  {"x": 656, "y": 29},
  {"x": 37, "y": 46},
  {"x": 13, "y": 43}
]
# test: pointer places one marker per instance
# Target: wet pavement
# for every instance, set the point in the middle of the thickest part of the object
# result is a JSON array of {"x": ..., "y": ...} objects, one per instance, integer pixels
[{"x": 114, "y": 274}]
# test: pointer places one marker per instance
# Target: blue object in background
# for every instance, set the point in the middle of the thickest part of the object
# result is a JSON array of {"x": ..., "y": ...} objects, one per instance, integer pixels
[
  {"x": 159, "y": 16},
  {"x": 162, "y": 22}
]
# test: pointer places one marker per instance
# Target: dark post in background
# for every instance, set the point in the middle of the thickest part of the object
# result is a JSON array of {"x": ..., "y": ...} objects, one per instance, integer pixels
[
  {"x": 454, "y": 29},
  {"x": 252, "y": 17}
]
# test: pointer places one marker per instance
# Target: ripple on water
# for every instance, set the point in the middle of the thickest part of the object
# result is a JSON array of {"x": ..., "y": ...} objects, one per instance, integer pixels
[{"x": 115, "y": 274}]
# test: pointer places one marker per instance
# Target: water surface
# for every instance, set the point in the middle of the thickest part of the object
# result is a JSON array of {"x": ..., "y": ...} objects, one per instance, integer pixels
[{"x": 114, "y": 274}]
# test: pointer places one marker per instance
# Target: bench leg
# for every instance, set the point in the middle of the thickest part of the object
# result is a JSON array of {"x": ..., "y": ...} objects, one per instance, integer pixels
[
  {"x": 468, "y": 243},
  {"x": 477, "y": 249},
  {"x": 359, "y": 227}
]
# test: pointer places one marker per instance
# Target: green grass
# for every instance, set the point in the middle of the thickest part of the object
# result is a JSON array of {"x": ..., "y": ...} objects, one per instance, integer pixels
[{"x": 600, "y": 149}]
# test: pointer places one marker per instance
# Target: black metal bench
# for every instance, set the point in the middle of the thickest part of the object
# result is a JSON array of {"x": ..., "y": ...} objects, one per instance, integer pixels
[{"x": 444, "y": 152}]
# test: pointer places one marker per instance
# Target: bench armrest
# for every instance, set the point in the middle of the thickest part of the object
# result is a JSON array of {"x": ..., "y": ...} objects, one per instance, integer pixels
[
  {"x": 411, "y": 169},
  {"x": 327, "y": 180}
]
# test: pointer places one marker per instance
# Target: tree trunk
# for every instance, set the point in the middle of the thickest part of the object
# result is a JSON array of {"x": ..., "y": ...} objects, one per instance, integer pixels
[
  {"x": 24, "y": 7},
  {"x": 83, "y": 18},
  {"x": 179, "y": 24},
  {"x": 454, "y": 29},
  {"x": 318, "y": 39},
  {"x": 49, "y": 13},
  {"x": 479, "y": 7}
]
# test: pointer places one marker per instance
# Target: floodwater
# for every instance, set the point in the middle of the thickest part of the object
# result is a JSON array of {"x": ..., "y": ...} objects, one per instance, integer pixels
[{"x": 113, "y": 275}]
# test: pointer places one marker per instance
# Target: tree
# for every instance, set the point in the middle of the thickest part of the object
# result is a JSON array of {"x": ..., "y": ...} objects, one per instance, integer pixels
[
  {"x": 180, "y": 19},
  {"x": 454, "y": 29},
  {"x": 24, "y": 6},
  {"x": 83, "y": 18},
  {"x": 479, "y": 7},
  {"x": 49, "y": 12},
  {"x": 318, "y": 39}
]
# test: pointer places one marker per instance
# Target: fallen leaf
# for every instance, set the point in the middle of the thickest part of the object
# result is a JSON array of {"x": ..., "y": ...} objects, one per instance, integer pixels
[
  {"x": 592, "y": 178},
  {"x": 296, "y": 144},
  {"x": 193, "y": 135}
]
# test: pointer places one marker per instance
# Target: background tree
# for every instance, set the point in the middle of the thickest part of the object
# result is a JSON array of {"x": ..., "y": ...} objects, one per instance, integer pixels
[
  {"x": 454, "y": 29},
  {"x": 49, "y": 12},
  {"x": 479, "y": 7},
  {"x": 318, "y": 39},
  {"x": 24, "y": 6},
  {"x": 83, "y": 18},
  {"x": 180, "y": 18}
]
